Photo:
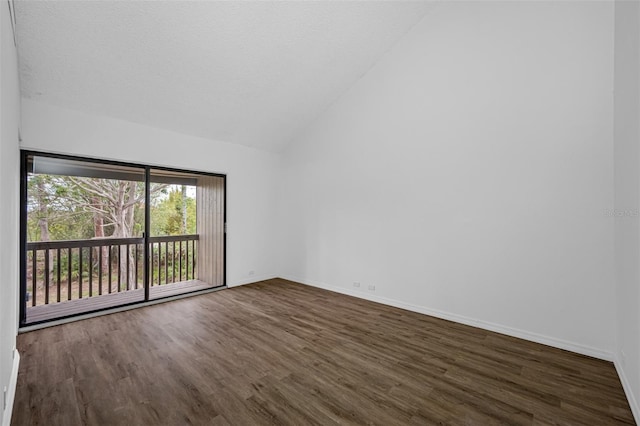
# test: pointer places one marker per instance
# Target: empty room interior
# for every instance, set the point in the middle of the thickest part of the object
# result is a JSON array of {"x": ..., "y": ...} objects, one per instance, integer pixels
[{"x": 320, "y": 212}]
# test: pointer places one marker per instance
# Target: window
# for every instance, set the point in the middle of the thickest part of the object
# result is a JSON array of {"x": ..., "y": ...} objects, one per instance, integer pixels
[{"x": 99, "y": 234}]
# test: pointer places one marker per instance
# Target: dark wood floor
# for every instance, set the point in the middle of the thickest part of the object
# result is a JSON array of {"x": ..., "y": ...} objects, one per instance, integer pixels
[{"x": 281, "y": 353}]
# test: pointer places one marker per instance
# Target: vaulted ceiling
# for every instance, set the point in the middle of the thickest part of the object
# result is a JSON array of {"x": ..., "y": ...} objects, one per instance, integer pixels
[{"x": 252, "y": 73}]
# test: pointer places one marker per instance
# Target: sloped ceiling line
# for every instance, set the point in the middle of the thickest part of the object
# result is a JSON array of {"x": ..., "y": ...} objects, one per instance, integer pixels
[{"x": 251, "y": 73}]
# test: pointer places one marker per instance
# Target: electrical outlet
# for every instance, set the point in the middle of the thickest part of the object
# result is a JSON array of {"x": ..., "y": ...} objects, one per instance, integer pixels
[
  {"x": 372, "y": 288},
  {"x": 252, "y": 272},
  {"x": 4, "y": 399},
  {"x": 356, "y": 284}
]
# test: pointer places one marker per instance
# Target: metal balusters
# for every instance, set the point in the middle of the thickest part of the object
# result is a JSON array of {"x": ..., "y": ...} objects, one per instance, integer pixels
[
  {"x": 136, "y": 265},
  {"x": 34, "y": 277},
  {"x": 110, "y": 269},
  {"x": 58, "y": 274},
  {"x": 90, "y": 272},
  {"x": 193, "y": 257},
  {"x": 173, "y": 262},
  {"x": 119, "y": 268},
  {"x": 80, "y": 273},
  {"x": 169, "y": 273},
  {"x": 100, "y": 271},
  {"x": 187, "y": 260},
  {"x": 46, "y": 263},
  {"x": 128, "y": 269},
  {"x": 180, "y": 258},
  {"x": 69, "y": 277},
  {"x": 46, "y": 277}
]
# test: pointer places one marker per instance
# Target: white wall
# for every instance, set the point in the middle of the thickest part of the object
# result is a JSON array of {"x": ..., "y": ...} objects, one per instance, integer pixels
[
  {"x": 627, "y": 196},
  {"x": 250, "y": 173},
  {"x": 9, "y": 183},
  {"x": 468, "y": 173}
]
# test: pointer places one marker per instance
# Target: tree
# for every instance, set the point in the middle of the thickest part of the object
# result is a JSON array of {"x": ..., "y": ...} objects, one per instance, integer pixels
[
  {"x": 117, "y": 204},
  {"x": 112, "y": 204},
  {"x": 174, "y": 214},
  {"x": 51, "y": 218},
  {"x": 76, "y": 208},
  {"x": 183, "y": 211},
  {"x": 98, "y": 231},
  {"x": 43, "y": 215}
]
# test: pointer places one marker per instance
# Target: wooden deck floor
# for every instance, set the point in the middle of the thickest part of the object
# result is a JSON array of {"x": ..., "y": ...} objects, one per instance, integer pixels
[
  {"x": 73, "y": 307},
  {"x": 280, "y": 353}
]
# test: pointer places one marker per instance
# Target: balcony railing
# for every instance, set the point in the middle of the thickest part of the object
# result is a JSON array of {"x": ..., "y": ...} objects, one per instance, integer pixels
[
  {"x": 60, "y": 271},
  {"x": 176, "y": 261}
]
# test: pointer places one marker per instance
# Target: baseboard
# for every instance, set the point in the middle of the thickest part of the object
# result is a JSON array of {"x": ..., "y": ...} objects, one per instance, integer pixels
[
  {"x": 251, "y": 279},
  {"x": 11, "y": 392},
  {"x": 498, "y": 328},
  {"x": 633, "y": 403}
]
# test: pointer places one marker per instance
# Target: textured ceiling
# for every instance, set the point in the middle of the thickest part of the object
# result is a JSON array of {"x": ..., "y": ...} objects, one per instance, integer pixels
[{"x": 253, "y": 73}]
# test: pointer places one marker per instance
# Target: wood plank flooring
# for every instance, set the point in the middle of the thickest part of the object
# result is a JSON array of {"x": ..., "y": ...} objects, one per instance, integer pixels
[{"x": 280, "y": 353}]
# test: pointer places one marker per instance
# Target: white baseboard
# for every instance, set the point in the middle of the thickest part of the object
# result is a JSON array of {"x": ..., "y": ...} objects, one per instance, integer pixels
[
  {"x": 251, "y": 279},
  {"x": 11, "y": 392},
  {"x": 633, "y": 403},
  {"x": 485, "y": 325}
]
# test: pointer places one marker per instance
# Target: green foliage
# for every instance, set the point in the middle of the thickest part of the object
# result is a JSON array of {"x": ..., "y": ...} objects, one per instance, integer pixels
[
  {"x": 79, "y": 208},
  {"x": 167, "y": 216},
  {"x": 48, "y": 199},
  {"x": 69, "y": 209}
]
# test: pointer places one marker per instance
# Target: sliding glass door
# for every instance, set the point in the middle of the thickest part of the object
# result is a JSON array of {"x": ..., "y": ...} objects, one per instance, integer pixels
[
  {"x": 98, "y": 234},
  {"x": 187, "y": 232}
]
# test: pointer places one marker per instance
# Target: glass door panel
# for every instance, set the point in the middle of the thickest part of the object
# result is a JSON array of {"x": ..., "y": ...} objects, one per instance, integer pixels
[
  {"x": 187, "y": 232},
  {"x": 84, "y": 237}
]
